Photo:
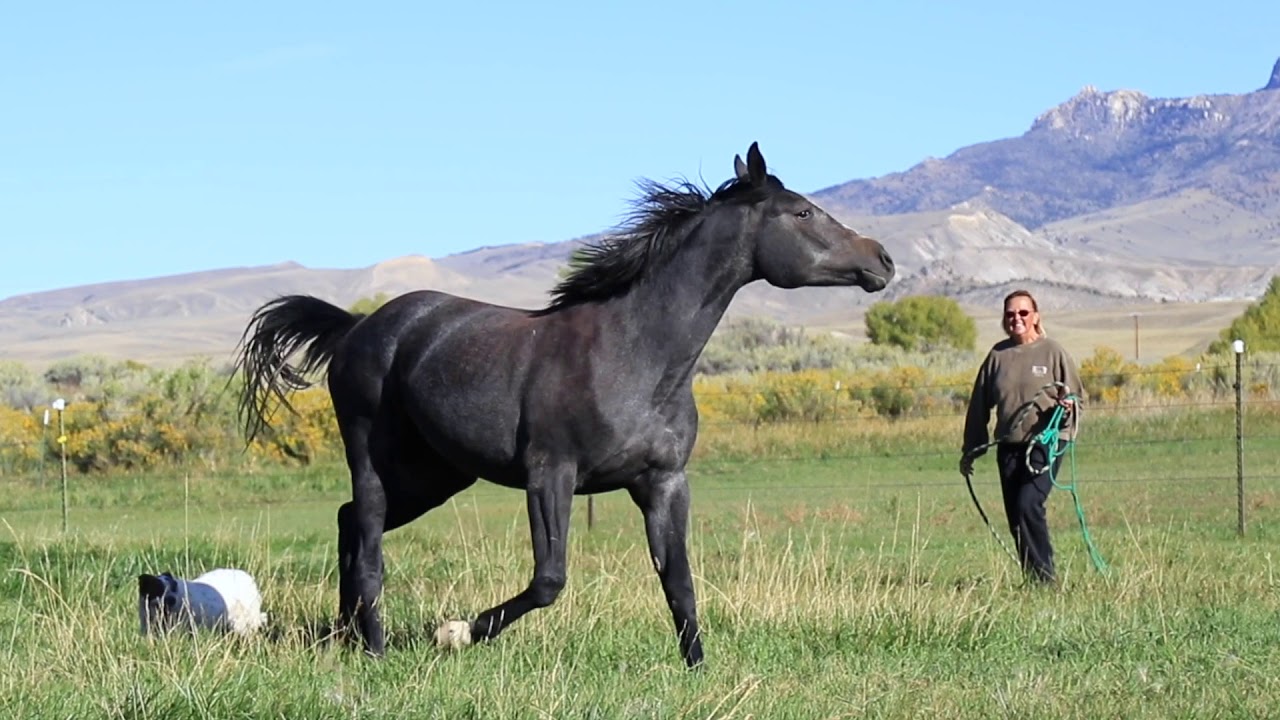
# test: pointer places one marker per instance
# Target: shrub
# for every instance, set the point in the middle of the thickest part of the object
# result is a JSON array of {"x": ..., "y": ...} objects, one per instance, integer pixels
[
  {"x": 1105, "y": 373},
  {"x": 921, "y": 322}
]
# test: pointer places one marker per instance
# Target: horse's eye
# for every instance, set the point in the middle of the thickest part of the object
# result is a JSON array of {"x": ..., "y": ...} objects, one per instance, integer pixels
[{"x": 804, "y": 214}]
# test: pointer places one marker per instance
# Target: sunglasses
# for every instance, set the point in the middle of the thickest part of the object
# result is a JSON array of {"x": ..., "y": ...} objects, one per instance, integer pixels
[{"x": 1010, "y": 314}]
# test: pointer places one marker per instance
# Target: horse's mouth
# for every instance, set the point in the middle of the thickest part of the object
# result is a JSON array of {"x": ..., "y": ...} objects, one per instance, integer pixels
[{"x": 872, "y": 282}]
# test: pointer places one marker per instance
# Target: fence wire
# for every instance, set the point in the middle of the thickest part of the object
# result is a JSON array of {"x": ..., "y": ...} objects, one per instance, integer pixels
[{"x": 715, "y": 457}]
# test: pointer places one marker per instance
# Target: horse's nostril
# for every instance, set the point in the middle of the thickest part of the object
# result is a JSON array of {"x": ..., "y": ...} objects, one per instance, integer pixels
[{"x": 884, "y": 258}]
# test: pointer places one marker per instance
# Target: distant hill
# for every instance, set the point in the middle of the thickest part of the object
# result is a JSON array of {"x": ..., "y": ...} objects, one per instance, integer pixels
[
  {"x": 1108, "y": 199},
  {"x": 167, "y": 319}
]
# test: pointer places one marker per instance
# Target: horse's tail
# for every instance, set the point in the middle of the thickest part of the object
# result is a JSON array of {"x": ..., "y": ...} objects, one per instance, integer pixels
[{"x": 276, "y": 331}]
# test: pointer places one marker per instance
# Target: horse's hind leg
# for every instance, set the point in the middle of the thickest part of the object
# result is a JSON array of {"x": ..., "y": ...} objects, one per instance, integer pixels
[
  {"x": 663, "y": 498},
  {"x": 360, "y": 528},
  {"x": 346, "y": 562},
  {"x": 409, "y": 487}
]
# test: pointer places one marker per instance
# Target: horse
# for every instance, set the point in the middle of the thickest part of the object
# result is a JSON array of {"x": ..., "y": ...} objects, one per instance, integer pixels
[{"x": 590, "y": 394}]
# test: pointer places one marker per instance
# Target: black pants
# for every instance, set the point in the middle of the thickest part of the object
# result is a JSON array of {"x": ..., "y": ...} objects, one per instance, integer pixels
[{"x": 1024, "y": 498}]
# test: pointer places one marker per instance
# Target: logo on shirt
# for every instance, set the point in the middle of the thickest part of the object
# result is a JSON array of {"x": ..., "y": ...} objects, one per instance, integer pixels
[{"x": 1039, "y": 370}]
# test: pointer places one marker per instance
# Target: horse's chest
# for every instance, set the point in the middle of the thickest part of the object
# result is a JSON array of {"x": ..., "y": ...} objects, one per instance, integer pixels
[{"x": 621, "y": 456}]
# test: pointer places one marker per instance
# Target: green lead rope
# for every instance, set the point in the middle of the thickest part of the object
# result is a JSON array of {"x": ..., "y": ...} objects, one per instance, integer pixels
[{"x": 1054, "y": 447}]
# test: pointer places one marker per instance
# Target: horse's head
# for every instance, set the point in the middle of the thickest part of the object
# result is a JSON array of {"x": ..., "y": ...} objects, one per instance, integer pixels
[{"x": 798, "y": 244}]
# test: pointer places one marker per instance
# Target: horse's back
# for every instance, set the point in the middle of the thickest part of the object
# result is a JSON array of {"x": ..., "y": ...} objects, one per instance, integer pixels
[
  {"x": 404, "y": 328},
  {"x": 446, "y": 369}
]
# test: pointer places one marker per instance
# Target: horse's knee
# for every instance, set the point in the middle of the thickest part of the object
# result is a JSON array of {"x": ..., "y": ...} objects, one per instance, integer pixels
[
  {"x": 544, "y": 590},
  {"x": 683, "y": 604}
]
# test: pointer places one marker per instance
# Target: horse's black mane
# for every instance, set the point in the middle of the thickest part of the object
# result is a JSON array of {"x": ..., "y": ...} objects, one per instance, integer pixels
[{"x": 659, "y": 220}]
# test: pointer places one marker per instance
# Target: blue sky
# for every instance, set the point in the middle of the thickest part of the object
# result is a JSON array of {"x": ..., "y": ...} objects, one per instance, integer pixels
[{"x": 146, "y": 139}]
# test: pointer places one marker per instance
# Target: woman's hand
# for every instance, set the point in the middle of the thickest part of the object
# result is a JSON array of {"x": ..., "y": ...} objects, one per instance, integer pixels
[
  {"x": 966, "y": 464},
  {"x": 1065, "y": 398}
]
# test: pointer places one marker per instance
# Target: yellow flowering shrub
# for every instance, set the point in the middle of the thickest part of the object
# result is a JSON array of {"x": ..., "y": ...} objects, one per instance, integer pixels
[
  {"x": 1105, "y": 374},
  {"x": 1169, "y": 378},
  {"x": 307, "y": 435},
  {"x": 21, "y": 440}
]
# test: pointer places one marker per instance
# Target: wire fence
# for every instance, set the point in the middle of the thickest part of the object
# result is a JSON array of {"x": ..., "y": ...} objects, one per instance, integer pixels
[{"x": 1223, "y": 431}]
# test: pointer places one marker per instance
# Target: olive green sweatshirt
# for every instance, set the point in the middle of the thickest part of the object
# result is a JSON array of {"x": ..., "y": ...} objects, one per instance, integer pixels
[{"x": 1010, "y": 379}]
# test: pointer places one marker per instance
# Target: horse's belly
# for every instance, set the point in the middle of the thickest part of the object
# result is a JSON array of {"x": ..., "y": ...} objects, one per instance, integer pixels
[
  {"x": 597, "y": 485},
  {"x": 480, "y": 444}
]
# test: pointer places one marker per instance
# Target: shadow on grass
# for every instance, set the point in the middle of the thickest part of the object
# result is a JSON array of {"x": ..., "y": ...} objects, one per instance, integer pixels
[{"x": 326, "y": 633}]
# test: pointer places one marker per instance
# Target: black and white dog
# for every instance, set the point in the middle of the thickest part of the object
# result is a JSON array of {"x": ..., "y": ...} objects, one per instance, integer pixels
[{"x": 222, "y": 599}]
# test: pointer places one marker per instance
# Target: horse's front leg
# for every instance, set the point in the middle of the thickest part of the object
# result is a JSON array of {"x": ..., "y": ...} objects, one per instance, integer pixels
[
  {"x": 550, "y": 500},
  {"x": 663, "y": 498}
]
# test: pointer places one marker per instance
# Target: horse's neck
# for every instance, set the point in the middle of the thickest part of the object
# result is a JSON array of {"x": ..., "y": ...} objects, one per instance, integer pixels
[{"x": 671, "y": 314}]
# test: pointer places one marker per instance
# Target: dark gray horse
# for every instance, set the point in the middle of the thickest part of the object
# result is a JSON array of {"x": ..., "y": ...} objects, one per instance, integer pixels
[{"x": 591, "y": 394}]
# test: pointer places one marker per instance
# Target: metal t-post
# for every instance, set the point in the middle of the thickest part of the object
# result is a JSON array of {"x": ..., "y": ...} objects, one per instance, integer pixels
[
  {"x": 61, "y": 405},
  {"x": 1238, "y": 346}
]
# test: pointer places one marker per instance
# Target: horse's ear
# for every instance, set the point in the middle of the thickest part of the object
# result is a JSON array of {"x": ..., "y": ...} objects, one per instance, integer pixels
[
  {"x": 150, "y": 585},
  {"x": 755, "y": 165},
  {"x": 739, "y": 168}
]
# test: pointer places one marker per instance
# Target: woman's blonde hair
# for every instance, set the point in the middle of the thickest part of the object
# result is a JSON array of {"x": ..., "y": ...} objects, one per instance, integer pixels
[{"x": 1034, "y": 306}]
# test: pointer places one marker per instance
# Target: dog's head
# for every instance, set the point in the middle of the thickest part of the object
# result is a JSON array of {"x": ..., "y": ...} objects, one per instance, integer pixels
[{"x": 160, "y": 601}]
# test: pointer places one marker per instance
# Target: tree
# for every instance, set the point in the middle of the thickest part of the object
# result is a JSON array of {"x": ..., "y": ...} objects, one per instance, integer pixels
[
  {"x": 580, "y": 256},
  {"x": 921, "y": 322},
  {"x": 366, "y": 305},
  {"x": 86, "y": 376},
  {"x": 20, "y": 388},
  {"x": 1258, "y": 327}
]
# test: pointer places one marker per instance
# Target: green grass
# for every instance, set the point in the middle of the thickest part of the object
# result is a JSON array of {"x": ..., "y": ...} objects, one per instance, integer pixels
[{"x": 853, "y": 582}]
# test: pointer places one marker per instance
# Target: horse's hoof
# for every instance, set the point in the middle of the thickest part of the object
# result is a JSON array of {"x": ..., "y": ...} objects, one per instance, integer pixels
[{"x": 454, "y": 634}]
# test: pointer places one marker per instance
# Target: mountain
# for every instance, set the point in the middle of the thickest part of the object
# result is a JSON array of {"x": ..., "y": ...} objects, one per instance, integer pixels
[
  {"x": 175, "y": 317},
  {"x": 1098, "y": 150},
  {"x": 1121, "y": 154},
  {"x": 1108, "y": 199}
]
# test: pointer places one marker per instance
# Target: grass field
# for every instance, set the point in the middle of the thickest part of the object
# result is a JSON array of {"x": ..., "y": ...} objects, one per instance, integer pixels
[{"x": 839, "y": 575}]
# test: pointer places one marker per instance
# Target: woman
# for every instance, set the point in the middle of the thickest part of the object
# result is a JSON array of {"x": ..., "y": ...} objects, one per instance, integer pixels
[{"x": 1018, "y": 380}]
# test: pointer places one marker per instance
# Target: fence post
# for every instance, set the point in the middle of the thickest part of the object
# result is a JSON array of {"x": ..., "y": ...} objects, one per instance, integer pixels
[
  {"x": 60, "y": 405},
  {"x": 591, "y": 511},
  {"x": 1238, "y": 347},
  {"x": 44, "y": 448}
]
